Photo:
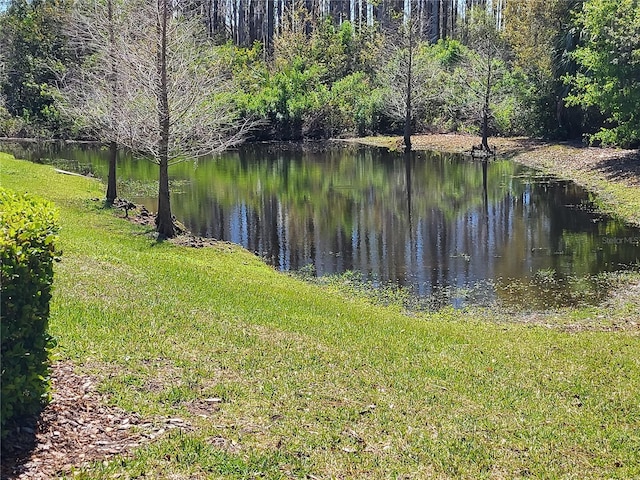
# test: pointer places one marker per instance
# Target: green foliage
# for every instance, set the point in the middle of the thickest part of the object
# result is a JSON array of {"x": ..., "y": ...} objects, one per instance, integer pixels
[
  {"x": 441, "y": 98},
  {"x": 316, "y": 85},
  {"x": 443, "y": 95},
  {"x": 609, "y": 78},
  {"x": 28, "y": 229},
  {"x": 504, "y": 116},
  {"x": 354, "y": 105},
  {"x": 541, "y": 37},
  {"x": 35, "y": 52},
  {"x": 287, "y": 98},
  {"x": 10, "y": 126},
  {"x": 448, "y": 52},
  {"x": 453, "y": 81},
  {"x": 510, "y": 115},
  {"x": 323, "y": 79},
  {"x": 434, "y": 92}
]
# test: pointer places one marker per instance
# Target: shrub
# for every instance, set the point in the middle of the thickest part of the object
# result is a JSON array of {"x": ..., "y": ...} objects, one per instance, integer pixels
[
  {"x": 355, "y": 106},
  {"x": 28, "y": 228},
  {"x": 10, "y": 126}
]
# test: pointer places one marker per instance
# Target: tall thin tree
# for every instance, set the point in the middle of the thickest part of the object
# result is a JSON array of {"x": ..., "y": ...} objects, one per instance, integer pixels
[
  {"x": 92, "y": 92},
  {"x": 112, "y": 192},
  {"x": 485, "y": 66},
  {"x": 409, "y": 76},
  {"x": 175, "y": 71},
  {"x": 173, "y": 93}
]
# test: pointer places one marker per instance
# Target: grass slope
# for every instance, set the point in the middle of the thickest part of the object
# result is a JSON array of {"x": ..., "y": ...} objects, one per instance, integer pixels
[{"x": 316, "y": 384}]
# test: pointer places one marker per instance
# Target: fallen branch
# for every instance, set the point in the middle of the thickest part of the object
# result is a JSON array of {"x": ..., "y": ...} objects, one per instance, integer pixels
[{"x": 65, "y": 172}]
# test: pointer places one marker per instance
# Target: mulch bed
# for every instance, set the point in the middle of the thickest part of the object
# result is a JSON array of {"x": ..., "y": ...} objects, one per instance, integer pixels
[{"x": 77, "y": 427}]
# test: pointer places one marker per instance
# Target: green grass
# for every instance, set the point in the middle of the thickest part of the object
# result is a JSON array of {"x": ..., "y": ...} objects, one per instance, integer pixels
[
  {"x": 316, "y": 383},
  {"x": 613, "y": 198}
]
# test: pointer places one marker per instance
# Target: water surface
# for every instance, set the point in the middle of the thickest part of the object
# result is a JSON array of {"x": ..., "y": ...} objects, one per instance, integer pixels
[{"x": 479, "y": 232}]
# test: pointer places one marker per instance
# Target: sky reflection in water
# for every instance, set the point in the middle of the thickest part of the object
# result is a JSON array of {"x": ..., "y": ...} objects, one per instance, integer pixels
[{"x": 429, "y": 221}]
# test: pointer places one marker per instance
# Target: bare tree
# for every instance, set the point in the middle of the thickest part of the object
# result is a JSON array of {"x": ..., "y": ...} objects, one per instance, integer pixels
[
  {"x": 113, "y": 81},
  {"x": 173, "y": 96},
  {"x": 485, "y": 66},
  {"x": 410, "y": 77},
  {"x": 92, "y": 94}
]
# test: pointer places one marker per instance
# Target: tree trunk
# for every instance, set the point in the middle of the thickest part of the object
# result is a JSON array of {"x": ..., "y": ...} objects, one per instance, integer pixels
[
  {"x": 111, "y": 179},
  {"x": 407, "y": 124},
  {"x": 240, "y": 26},
  {"x": 164, "y": 220},
  {"x": 270, "y": 28},
  {"x": 485, "y": 128},
  {"x": 485, "y": 108},
  {"x": 113, "y": 79},
  {"x": 408, "y": 114}
]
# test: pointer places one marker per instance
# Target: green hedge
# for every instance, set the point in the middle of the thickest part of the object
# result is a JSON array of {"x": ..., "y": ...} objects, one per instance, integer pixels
[{"x": 28, "y": 228}]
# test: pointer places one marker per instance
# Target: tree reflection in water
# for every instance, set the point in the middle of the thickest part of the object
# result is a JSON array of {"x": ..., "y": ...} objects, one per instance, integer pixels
[{"x": 431, "y": 221}]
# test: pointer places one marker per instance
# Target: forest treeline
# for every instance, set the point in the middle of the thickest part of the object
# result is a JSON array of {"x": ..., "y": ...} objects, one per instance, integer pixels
[{"x": 293, "y": 69}]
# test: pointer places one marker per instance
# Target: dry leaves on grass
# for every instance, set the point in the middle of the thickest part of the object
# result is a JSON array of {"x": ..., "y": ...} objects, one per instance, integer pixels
[
  {"x": 459, "y": 143},
  {"x": 76, "y": 428}
]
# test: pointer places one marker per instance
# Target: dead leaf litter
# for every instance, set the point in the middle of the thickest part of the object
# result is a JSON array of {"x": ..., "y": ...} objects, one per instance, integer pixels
[{"x": 76, "y": 428}]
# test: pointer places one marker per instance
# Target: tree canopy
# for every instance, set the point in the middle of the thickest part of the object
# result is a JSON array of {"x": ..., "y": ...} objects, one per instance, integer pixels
[
  {"x": 317, "y": 69},
  {"x": 33, "y": 54},
  {"x": 609, "y": 60}
]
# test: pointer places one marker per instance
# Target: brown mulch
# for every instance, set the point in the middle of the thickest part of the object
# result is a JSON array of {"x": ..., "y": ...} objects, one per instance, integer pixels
[{"x": 77, "y": 427}]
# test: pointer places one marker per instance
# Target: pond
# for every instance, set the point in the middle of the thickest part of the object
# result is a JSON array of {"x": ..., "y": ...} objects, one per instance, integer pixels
[{"x": 449, "y": 229}]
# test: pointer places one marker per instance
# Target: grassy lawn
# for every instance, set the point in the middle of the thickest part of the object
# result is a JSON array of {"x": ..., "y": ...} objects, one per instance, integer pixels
[{"x": 317, "y": 384}]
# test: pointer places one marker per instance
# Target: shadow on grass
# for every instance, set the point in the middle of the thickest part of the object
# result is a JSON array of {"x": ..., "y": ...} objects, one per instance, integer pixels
[{"x": 625, "y": 168}]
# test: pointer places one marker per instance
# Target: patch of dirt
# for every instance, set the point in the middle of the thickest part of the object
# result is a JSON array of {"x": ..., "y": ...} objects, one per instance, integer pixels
[
  {"x": 142, "y": 216},
  {"x": 188, "y": 240},
  {"x": 457, "y": 143},
  {"x": 454, "y": 143},
  {"x": 203, "y": 408},
  {"x": 222, "y": 443},
  {"x": 76, "y": 428}
]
